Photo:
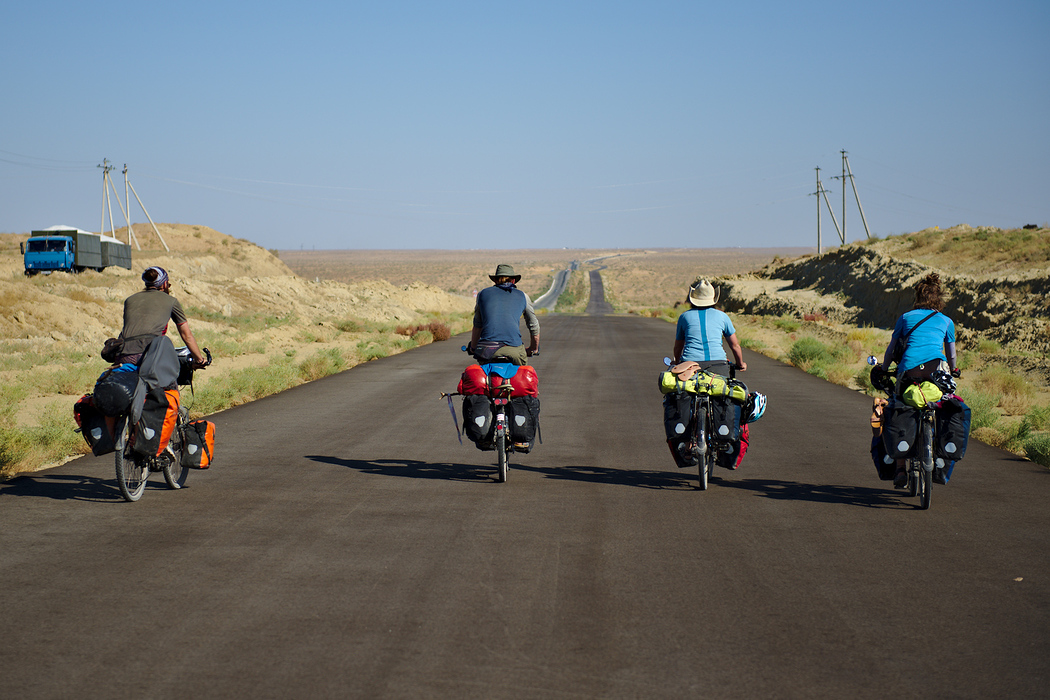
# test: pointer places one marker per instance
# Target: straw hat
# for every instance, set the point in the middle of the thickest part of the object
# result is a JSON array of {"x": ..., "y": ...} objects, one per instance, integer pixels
[
  {"x": 702, "y": 293},
  {"x": 505, "y": 271}
]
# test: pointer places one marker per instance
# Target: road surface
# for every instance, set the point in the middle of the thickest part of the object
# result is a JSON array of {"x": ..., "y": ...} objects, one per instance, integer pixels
[{"x": 346, "y": 545}]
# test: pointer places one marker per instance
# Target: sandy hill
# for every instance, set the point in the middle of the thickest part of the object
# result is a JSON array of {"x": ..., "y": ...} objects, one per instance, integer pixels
[{"x": 211, "y": 271}]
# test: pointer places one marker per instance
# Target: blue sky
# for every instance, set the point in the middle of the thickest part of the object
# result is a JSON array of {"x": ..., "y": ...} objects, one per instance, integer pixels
[{"x": 546, "y": 124}]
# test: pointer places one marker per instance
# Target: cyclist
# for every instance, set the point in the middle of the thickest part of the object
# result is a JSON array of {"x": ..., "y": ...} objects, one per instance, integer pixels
[
  {"x": 701, "y": 329},
  {"x": 497, "y": 311},
  {"x": 146, "y": 316},
  {"x": 698, "y": 338},
  {"x": 929, "y": 344}
]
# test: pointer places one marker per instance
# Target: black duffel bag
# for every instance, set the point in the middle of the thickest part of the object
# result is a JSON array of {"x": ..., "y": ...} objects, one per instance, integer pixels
[{"x": 114, "y": 391}]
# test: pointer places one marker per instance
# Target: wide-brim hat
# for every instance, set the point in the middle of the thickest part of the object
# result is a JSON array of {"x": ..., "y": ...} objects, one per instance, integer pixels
[
  {"x": 504, "y": 271},
  {"x": 702, "y": 293}
]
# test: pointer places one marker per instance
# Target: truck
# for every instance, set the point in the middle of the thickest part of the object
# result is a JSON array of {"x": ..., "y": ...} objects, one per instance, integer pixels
[{"x": 72, "y": 250}]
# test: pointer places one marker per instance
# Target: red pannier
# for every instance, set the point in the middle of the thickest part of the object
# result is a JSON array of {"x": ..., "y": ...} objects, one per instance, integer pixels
[
  {"x": 525, "y": 382},
  {"x": 473, "y": 382}
]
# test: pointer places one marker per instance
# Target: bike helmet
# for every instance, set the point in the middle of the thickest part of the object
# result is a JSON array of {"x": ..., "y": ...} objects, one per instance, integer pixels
[
  {"x": 755, "y": 406},
  {"x": 881, "y": 379},
  {"x": 944, "y": 381}
]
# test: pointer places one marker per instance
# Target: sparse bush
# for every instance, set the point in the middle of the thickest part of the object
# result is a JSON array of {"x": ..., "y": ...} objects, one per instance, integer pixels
[
  {"x": 787, "y": 324},
  {"x": 987, "y": 346},
  {"x": 1037, "y": 449},
  {"x": 982, "y": 409},
  {"x": 1014, "y": 392},
  {"x": 322, "y": 364},
  {"x": 1038, "y": 417}
]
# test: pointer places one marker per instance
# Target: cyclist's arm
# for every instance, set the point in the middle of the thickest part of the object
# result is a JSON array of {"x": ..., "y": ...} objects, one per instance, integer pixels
[
  {"x": 887, "y": 358},
  {"x": 679, "y": 346},
  {"x": 533, "y": 324},
  {"x": 949, "y": 352},
  {"x": 191, "y": 342},
  {"x": 738, "y": 354}
]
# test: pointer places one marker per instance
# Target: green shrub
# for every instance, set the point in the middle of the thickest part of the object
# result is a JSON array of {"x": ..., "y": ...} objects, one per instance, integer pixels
[
  {"x": 322, "y": 364},
  {"x": 1038, "y": 417},
  {"x": 787, "y": 324},
  {"x": 1037, "y": 449},
  {"x": 982, "y": 409}
]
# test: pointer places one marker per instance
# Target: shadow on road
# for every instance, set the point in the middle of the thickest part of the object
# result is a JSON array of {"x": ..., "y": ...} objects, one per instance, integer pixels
[
  {"x": 620, "y": 477},
  {"x": 823, "y": 493},
  {"x": 412, "y": 468},
  {"x": 65, "y": 487}
]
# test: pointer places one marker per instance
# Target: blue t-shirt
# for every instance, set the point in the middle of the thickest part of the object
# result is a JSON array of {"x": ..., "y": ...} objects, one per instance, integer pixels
[
  {"x": 497, "y": 313},
  {"x": 703, "y": 330},
  {"x": 927, "y": 341}
]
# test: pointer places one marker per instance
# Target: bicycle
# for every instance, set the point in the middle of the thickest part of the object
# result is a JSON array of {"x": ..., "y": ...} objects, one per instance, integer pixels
[
  {"x": 133, "y": 469},
  {"x": 919, "y": 464},
  {"x": 499, "y": 399},
  {"x": 701, "y": 443}
]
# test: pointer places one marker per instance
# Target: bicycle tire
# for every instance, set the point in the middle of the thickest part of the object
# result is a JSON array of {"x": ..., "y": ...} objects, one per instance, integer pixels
[
  {"x": 175, "y": 474},
  {"x": 501, "y": 457},
  {"x": 700, "y": 438},
  {"x": 131, "y": 470},
  {"x": 926, "y": 468}
]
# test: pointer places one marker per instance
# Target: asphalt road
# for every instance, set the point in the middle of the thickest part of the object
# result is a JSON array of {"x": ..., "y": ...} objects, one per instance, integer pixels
[{"x": 346, "y": 545}]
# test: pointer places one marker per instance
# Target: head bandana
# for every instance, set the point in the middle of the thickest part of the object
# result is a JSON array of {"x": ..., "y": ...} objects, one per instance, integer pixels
[{"x": 162, "y": 278}]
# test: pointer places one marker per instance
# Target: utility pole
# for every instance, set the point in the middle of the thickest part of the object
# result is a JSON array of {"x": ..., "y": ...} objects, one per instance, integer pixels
[
  {"x": 847, "y": 173},
  {"x": 821, "y": 192}
]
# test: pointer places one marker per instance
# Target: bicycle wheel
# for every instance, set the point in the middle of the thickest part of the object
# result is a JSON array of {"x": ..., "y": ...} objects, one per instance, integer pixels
[
  {"x": 926, "y": 468},
  {"x": 131, "y": 470},
  {"x": 700, "y": 438},
  {"x": 501, "y": 457},
  {"x": 174, "y": 473}
]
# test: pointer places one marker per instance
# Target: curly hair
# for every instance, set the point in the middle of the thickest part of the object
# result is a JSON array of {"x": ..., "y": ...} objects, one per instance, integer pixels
[{"x": 928, "y": 293}]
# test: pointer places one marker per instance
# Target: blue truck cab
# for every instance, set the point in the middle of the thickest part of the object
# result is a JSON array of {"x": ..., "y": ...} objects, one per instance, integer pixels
[{"x": 72, "y": 250}]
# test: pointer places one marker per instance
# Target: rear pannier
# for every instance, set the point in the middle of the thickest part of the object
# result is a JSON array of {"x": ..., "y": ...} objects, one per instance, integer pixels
[
  {"x": 477, "y": 419},
  {"x": 198, "y": 446}
]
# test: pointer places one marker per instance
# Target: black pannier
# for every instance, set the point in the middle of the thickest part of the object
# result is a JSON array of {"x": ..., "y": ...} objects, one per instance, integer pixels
[
  {"x": 523, "y": 419},
  {"x": 114, "y": 391},
  {"x": 477, "y": 418},
  {"x": 725, "y": 420},
  {"x": 93, "y": 426},
  {"x": 900, "y": 428},
  {"x": 953, "y": 429},
  {"x": 884, "y": 464},
  {"x": 157, "y": 422},
  {"x": 678, "y": 412}
]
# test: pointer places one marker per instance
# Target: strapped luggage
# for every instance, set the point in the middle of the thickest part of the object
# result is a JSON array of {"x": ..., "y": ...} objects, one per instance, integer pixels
[
  {"x": 477, "y": 418},
  {"x": 198, "y": 444},
  {"x": 523, "y": 419},
  {"x": 157, "y": 423},
  {"x": 919, "y": 394},
  {"x": 953, "y": 429},
  {"x": 114, "y": 391},
  {"x": 900, "y": 429},
  {"x": 92, "y": 425},
  {"x": 525, "y": 382},
  {"x": 878, "y": 413},
  {"x": 473, "y": 382}
]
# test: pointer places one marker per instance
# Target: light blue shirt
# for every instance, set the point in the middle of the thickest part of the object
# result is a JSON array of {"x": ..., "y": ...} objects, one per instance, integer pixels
[
  {"x": 703, "y": 330},
  {"x": 925, "y": 342}
]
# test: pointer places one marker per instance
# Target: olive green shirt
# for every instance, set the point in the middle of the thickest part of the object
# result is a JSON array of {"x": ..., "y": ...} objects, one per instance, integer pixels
[{"x": 146, "y": 315}]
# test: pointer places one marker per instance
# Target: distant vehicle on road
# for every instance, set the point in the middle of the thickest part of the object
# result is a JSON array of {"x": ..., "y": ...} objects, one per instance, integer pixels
[{"x": 72, "y": 250}]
